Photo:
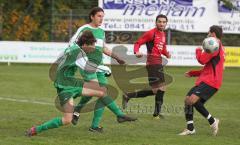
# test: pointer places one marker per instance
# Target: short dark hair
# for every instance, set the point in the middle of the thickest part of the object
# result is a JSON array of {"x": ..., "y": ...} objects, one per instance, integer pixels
[
  {"x": 217, "y": 30},
  {"x": 161, "y": 16},
  {"x": 93, "y": 12},
  {"x": 86, "y": 37}
]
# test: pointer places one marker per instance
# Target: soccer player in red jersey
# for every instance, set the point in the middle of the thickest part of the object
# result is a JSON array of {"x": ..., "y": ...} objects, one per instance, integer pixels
[
  {"x": 207, "y": 84},
  {"x": 155, "y": 41}
]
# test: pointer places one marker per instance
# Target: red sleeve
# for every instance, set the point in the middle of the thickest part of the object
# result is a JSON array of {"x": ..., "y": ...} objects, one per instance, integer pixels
[
  {"x": 146, "y": 37},
  {"x": 194, "y": 73},
  {"x": 204, "y": 57}
]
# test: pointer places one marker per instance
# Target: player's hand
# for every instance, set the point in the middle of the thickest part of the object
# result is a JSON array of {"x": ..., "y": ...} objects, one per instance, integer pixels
[
  {"x": 187, "y": 74},
  {"x": 120, "y": 61},
  {"x": 139, "y": 54},
  {"x": 199, "y": 49},
  {"x": 168, "y": 55}
]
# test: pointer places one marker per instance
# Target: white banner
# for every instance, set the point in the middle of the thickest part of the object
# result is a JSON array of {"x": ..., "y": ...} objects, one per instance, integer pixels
[
  {"x": 30, "y": 52},
  {"x": 229, "y": 19},
  {"x": 48, "y": 52},
  {"x": 183, "y": 15},
  {"x": 180, "y": 55}
]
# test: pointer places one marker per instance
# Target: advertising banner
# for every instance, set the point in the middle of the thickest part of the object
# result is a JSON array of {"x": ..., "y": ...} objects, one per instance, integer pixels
[
  {"x": 183, "y": 15},
  {"x": 232, "y": 56},
  {"x": 48, "y": 52},
  {"x": 30, "y": 52}
]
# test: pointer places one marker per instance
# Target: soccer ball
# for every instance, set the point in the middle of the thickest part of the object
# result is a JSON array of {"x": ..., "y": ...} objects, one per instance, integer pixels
[{"x": 210, "y": 44}]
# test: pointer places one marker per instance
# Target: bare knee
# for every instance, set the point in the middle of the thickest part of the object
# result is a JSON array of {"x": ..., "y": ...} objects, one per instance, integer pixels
[
  {"x": 102, "y": 92},
  {"x": 67, "y": 119},
  {"x": 156, "y": 88},
  {"x": 191, "y": 100}
]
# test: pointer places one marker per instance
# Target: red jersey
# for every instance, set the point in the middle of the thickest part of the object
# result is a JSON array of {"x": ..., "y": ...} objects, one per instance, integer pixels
[
  {"x": 159, "y": 45},
  {"x": 212, "y": 72}
]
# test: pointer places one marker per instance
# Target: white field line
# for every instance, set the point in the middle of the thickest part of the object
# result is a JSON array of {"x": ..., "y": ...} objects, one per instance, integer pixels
[{"x": 26, "y": 101}]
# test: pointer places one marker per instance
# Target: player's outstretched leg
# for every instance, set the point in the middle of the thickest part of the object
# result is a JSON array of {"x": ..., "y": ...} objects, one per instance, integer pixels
[
  {"x": 213, "y": 122},
  {"x": 139, "y": 94},
  {"x": 110, "y": 103},
  {"x": 54, "y": 123}
]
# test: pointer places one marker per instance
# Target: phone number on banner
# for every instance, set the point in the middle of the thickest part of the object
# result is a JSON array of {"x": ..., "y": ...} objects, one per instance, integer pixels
[{"x": 126, "y": 26}]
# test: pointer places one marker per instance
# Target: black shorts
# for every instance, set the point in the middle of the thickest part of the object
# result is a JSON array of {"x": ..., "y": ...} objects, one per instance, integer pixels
[
  {"x": 155, "y": 74},
  {"x": 203, "y": 90}
]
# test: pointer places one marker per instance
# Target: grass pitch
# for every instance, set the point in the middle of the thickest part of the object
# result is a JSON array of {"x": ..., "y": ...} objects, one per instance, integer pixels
[{"x": 27, "y": 98}]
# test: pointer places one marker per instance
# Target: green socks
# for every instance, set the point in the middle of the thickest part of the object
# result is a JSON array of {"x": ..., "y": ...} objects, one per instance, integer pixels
[
  {"x": 99, "y": 109},
  {"x": 54, "y": 123},
  {"x": 82, "y": 103},
  {"x": 110, "y": 103},
  {"x": 98, "y": 113}
]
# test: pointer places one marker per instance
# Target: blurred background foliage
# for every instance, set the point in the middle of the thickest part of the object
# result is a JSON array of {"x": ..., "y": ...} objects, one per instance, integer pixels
[{"x": 57, "y": 20}]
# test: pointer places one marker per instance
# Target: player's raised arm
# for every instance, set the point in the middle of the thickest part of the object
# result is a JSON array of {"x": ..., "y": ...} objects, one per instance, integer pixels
[
  {"x": 146, "y": 37},
  {"x": 203, "y": 57},
  {"x": 110, "y": 53}
]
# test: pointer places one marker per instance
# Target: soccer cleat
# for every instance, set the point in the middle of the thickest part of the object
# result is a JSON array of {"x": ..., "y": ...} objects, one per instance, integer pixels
[
  {"x": 96, "y": 129},
  {"x": 214, "y": 127},
  {"x": 187, "y": 132},
  {"x": 75, "y": 118},
  {"x": 125, "y": 100},
  {"x": 124, "y": 118},
  {"x": 160, "y": 116},
  {"x": 31, "y": 132}
]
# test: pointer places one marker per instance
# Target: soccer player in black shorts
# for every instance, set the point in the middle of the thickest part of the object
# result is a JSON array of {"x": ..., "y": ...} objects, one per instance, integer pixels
[
  {"x": 155, "y": 40},
  {"x": 207, "y": 84}
]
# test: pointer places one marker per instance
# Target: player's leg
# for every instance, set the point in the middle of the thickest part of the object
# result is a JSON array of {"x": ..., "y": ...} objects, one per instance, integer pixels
[
  {"x": 90, "y": 88},
  {"x": 109, "y": 102},
  {"x": 144, "y": 92},
  {"x": 77, "y": 109},
  {"x": 99, "y": 106},
  {"x": 138, "y": 94},
  {"x": 157, "y": 82},
  {"x": 85, "y": 99},
  {"x": 213, "y": 122},
  {"x": 88, "y": 77},
  {"x": 65, "y": 96},
  {"x": 55, "y": 122},
  {"x": 204, "y": 93},
  {"x": 188, "y": 109}
]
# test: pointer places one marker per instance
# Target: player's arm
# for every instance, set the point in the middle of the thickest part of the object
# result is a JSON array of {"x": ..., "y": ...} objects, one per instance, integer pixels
[
  {"x": 165, "y": 52},
  {"x": 110, "y": 53},
  {"x": 146, "y": 37},
  {"x": 203, "y": 57},
  {"x": 83, "y": 63},
  {"x": 193, "y": 73}
]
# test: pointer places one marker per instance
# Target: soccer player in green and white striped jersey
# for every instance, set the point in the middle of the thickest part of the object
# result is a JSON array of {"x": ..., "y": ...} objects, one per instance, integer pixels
[
  {"x": 68, "y": 86},
  {"x": 96, "y": 18}
]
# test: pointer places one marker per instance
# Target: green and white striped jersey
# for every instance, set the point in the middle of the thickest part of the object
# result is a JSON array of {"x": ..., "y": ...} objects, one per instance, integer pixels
[
  {"x": 69, "y": 62},
  {"x": 99, "y": 34}
]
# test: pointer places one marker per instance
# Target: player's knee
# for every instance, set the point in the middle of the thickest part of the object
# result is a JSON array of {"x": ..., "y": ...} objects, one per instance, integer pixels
[
  {"x": 67, "y": 120},
  {"x": 188, "y": 101},
  {"x": 162, "y": 88},
  {"x": 155, "y": 90},
  {"x": 102, "y": 92}
]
